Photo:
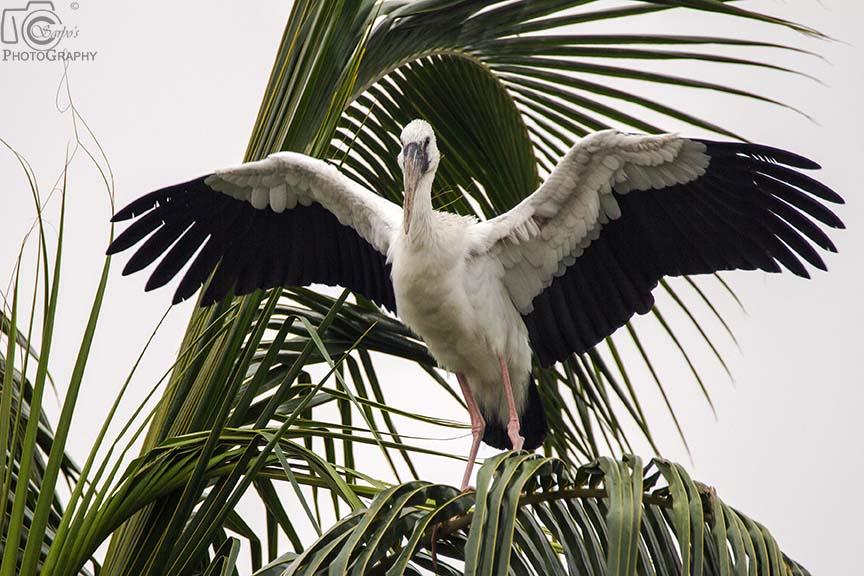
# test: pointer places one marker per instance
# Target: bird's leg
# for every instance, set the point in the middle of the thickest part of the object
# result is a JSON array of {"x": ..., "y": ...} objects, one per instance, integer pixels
[
  {"x": 478, "y": 426},
  {"x": 513, "y": 425}
]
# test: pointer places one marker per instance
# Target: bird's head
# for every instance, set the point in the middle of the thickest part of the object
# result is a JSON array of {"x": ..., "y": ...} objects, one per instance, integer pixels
[{"x": 418, "y": 160}]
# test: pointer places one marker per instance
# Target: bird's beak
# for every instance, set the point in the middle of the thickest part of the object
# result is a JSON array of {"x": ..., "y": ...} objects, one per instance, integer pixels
[{"x": 414, "y": 165}]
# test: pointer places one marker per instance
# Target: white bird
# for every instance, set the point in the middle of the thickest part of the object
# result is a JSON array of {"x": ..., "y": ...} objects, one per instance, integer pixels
[{"x": 555, "y": 275}]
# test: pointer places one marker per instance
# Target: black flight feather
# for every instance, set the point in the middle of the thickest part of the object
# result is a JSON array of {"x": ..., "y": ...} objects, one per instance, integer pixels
[
  {"x": 245, "y": 249},
  {"x": 751, "y": 209}
]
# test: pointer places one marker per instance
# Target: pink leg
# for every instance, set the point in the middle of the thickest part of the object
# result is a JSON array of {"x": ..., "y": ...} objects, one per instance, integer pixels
[
  {"x": 478, "y": 426},
  {"x": 513, "y": 424}
]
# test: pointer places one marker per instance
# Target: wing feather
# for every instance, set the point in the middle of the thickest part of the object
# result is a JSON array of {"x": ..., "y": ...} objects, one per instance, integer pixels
[
  {"x": 288, "y": 220},
  {"x": 582, "y": 254}
]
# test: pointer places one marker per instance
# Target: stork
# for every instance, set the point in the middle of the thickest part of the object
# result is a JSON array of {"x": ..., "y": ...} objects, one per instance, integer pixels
[{"x": 554, "y": 276}]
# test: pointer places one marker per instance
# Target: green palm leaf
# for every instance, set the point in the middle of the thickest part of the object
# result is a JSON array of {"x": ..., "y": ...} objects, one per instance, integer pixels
[{"x": 535, "y": 515}]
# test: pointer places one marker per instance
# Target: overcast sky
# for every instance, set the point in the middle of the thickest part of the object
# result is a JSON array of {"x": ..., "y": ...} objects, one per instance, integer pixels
[{"x": 173, "y": 93}]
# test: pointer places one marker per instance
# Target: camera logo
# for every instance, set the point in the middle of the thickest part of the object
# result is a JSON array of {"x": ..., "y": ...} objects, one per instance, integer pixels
[{"x": 37, "y": 24}]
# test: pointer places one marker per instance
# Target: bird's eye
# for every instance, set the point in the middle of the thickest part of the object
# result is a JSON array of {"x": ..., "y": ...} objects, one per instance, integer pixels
[{"x": 426, "y": 142}]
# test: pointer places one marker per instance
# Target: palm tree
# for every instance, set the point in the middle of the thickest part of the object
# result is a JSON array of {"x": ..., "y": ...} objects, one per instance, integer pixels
[{"x": 509, "y": 86}]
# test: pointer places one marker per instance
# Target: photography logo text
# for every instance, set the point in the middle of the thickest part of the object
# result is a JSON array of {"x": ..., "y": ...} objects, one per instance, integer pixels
[{"x": 35, "y": 32}]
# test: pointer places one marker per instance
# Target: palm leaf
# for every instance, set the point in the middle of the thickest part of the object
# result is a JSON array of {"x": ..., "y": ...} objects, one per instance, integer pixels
[
  {"x": 16, "y": 414},
  {"x": 536, "y": 515}
]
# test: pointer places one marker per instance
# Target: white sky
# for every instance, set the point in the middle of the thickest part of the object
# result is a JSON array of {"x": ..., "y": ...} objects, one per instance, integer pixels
[{"x": 174, "y": 91}]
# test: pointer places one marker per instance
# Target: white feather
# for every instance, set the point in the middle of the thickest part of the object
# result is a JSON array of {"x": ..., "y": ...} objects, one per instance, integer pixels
[
  {"x": 279, "y": 198},
  {"x": 577, "y": 200},
  {"x": 260, "y": 197},
  {"x": 286, "y": 179}
]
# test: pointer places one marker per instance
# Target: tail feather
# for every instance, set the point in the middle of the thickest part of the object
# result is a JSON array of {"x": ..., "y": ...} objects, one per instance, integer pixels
[{"x": 533, "y": 424}]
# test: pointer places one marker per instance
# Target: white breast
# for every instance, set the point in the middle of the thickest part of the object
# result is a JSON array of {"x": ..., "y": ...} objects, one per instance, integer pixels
[{"x": 460, "y": 308}]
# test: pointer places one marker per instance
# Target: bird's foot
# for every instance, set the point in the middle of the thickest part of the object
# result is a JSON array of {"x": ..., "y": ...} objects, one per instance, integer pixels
[
  {"x": 432, "y": 546},
  {"x": 513, "y": 432},
  {"x": 440, "y": 526}
]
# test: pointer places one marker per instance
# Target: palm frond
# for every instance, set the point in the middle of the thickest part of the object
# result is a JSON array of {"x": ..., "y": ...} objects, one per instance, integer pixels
[
  {"x": 16, "y": 413},
  {"x": 536, "y": 515}
]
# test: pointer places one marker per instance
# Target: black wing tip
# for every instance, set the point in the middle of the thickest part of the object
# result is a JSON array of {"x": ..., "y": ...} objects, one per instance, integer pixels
[
  {"x": 818, "y": 263},
  {"x": 179, "y": 298},
  {"x": 122, "y": 215},
  {"x": 148, "y": 201},
  {"x": 829, "y": 195},
  {"x": 210, "y": 297},
  {"x": 796, "y": 268},
  {"x": 140, "y": 260},
  {"x": 155, "y": 282},
  {"x": 717, "y": 148},
  {"x": 184, "y": 293},
  {"x": 137, "y": 207},
  {"x": 800, "y": 162},
  {"x": 832, "y": 220}
]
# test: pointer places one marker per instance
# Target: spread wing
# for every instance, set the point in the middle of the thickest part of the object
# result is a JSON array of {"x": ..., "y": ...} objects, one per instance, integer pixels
[
  {"x": 582, "y": 254},
  {"x": 288, "y": 220}
]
